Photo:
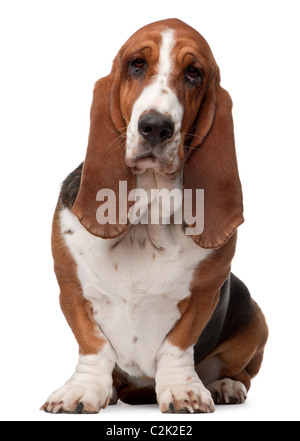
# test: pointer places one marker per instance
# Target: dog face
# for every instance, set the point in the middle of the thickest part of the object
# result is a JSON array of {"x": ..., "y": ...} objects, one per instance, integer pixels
[{"x": 164, "y": 76}]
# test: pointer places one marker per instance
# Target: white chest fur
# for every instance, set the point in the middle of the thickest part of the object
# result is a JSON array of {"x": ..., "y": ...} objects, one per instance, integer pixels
[{"x": 134, "y": 287}]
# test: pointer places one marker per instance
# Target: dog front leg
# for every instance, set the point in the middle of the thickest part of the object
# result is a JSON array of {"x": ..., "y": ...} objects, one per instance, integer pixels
[
  {"x": 90, "y": 388},
  {"x": 178, "y": 387}
]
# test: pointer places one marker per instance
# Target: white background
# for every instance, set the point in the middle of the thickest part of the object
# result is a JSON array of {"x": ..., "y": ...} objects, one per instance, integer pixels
[{"x": 52, "y": 52}]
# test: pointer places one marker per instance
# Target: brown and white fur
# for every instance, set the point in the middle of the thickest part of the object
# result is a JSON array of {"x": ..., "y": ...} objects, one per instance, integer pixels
[{"x": 156, "y": 313}]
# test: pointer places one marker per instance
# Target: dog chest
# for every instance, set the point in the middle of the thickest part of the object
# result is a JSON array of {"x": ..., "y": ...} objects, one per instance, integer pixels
[{"x": 134, "y": 285}]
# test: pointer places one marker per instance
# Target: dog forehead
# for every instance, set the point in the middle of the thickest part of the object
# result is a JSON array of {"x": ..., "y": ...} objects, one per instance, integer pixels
[
  {"x": 184, "y": 36},
  {"x": 181, "y": 28}
]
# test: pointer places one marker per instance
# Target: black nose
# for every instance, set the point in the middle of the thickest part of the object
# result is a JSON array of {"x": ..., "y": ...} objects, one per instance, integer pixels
[{"x": 155, "y": 128}]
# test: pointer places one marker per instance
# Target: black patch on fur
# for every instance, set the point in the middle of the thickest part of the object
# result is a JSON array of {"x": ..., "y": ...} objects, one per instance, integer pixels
[
  {"x": 70, "y": 188},
  {"x": 211, "y": 335},
  {"x": 241, "y": 309},
  {"x": 233, "y": 313}
]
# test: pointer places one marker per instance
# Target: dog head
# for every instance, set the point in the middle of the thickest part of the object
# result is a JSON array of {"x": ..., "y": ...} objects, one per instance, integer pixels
[{"x": 162, "y": 108}]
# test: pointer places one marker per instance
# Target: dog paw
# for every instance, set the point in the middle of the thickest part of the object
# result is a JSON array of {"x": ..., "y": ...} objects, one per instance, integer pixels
[
  {"x": 185, "y": 398},
  {"x": 227, "y": 391},
  {"x": 77, "y": 399}
]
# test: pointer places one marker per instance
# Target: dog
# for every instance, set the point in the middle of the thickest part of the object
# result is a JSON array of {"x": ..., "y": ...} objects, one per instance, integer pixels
[{"x": 154, "y": 307}]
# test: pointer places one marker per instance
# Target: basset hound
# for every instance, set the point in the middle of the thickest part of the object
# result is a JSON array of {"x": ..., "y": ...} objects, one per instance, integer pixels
[{"x": 157, "y": 313}]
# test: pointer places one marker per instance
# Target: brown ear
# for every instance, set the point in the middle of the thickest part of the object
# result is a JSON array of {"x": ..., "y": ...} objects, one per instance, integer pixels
[
  {"x": 211, "y": 165},
  {"x": 104, "y": 165}
]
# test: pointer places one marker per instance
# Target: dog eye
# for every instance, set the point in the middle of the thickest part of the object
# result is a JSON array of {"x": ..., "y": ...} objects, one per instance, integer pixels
[
  {"x": 138, "y": 67},
  {"x": 193, "y": 75},
  {"x": 139, "y": 63}
]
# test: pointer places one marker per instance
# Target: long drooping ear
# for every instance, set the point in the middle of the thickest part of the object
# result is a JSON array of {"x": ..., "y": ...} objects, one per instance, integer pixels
[
  {"x": 104, "y": 165},
  {"x": 211, "y": 165}
]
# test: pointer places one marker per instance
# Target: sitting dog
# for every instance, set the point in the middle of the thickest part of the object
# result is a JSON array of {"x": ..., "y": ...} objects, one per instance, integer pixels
[{"x": 153, "y": 305}]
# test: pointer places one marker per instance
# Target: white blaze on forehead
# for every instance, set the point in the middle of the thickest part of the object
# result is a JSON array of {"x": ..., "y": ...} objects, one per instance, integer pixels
[
  {"x": 158, "y": 95},
  {"x": 165, "y": 61}
]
